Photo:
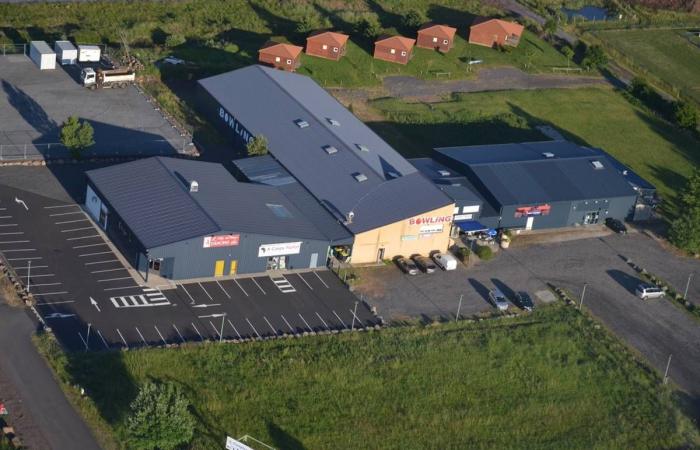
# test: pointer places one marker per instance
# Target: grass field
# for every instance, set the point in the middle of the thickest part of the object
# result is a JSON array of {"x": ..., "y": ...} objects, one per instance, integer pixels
[
  {"x": 593, "y": 116},
  {"x": 670, "y": 55},
  {"x": 547, "y": 380}
]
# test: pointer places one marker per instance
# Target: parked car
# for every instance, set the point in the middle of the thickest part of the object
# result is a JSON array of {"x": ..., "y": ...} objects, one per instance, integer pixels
[
  {"x": 173, "y": 60},
  {"x": 498, "y": 299},
  {"x": 616, "y": 225},
  {"x": 646, "y": 291},
  {"x": 406, "y": 265},
  {"x": 424, "y": 263},
  {"x": 445, "y": 261},
  {"x": 523, "y": 300}
]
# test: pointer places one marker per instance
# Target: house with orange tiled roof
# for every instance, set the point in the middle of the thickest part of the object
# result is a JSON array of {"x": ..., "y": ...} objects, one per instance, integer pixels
[
  {"x": 437, "y": 37},
  {"x": 396, "y": 49},
  {"x": 280, "y": 56},
  {"x": 495, "y": 32},
  {"x": 327, "y": 44}
]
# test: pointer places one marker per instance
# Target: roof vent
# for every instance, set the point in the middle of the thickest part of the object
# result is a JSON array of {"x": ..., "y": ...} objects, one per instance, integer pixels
[
  {"x": 333, "y": 122},
  {"x": 363, "y": 148},
  {"x": 392, "y": 174},
  {"x": 194, "y": 186},
  {"x": 301, "y": 123},
  {"x": 597, "y": 165},
  {"x": 444, "y": 173},
  {"x": 359, "y": 177},
  {"x": 330, "y": 149},
  {"x": 548, "y": 154},
  {"x": 624, "y": 172}
]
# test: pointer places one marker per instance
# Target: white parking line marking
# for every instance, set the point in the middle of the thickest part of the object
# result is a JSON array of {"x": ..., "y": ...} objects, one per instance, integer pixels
[
  {"x": 102, "y": 262},
  {"x": 83, "y": 237},
  {"x": 66, "y": 213},
  {"x": 239, "y": 285},
  {"x": 356, "y": 318},
  {"x": 139, "y": 332},
  {"x": 215, "y": 329},
  {"x": 324, "y": 283},
  {"x": 45, "y": 284},
  {"x": 103, "y": 339},
  {"x": 161, "y": 336},
  {"x": 256, "y": 283},
  {"x": 42, "y": 275},
  {"x": 55, "y": 303},
  {"x": 93, "y": 254},
  {"x": 251, "y": 326},
  {"x": 290, "y": 327},
  {"x": 123, "y": 287},
  {"x": 302, "y": 279},
  {"x": 76, "y": 229},
  {"x": 33, "y": 267},
  {"x": 341, "y": 320},
  {"x": 25, "y": 259},
  {"x": 195, "y": 329},
  {"x": 179, "y": 334},
  {"x": 108, "y": 270},
  {"x": 5, "y": 217},
  {"x": 84, "y": 341},
  {"x": 123, "y": 340},
  {"x": 11, "y": 233},
  {"x": 270, "y": 325},
  {"x": 112, "y": 279},
  {"x": 222, "y": 288},
  {"x": 19, "y": 250},
  {"x": 324, "y": 322},
  {"x": 8, "y": 225},
  {"x": 188, "y": 294},
  {"x": 305, "y": 322},
  {"x": 234, "y": 329},
  {"x": 14, "y": 242},
  {"x": 60, "y": 206},
  {"x": 71, "y": 221},
  {"x": 90, "y": 245},
  {"x": 205, "y": 291}
]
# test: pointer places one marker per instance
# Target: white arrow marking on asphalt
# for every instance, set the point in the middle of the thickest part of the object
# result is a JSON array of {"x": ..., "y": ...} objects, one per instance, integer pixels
[
  {"x": 205, "y": 305},
  {"x": 21, "y": 202},
  {"x": 94, "y": 303}
]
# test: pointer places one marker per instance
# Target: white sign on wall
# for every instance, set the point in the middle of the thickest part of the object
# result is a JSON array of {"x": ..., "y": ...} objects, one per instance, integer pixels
[
  {"x": 464, "y": 217},
  {"x": 285, "y": 248},
  {"x": 431, "y": 229}
]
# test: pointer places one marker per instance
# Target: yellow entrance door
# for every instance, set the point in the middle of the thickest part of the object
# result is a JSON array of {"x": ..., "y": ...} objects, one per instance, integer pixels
[
  {"x": 234, "y": 267},
  {"x": 219, "y": 268}
]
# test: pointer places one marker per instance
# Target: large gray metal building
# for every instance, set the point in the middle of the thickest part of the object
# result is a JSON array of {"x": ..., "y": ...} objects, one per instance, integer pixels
[
  {"x": 548, "y": 184},
  {"x": 189, "y": 219}
]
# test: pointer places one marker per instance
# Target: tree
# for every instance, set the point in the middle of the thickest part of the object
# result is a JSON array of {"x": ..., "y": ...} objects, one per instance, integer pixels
[
  {"x": 257, "y": 146},
  {"x": 568, "y": 53},
  {"x": 686, "y": 115},
  {"x": 160, "y": 418},
  {"x": 684, "y": 230},
  {"x": 594, "y": 57},
  {"x": 369, "y": 27},
  {"x": 307, "y": 24},
  {"x": 413, "y": 19},
  {"x": 77, "y": 136},
  {"x": 550, "y": 27}
]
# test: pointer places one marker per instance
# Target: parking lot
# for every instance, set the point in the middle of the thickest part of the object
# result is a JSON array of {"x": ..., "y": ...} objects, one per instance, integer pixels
[
  {"x": 34, "y": 104},
  {"x": 92, "y": 301}
]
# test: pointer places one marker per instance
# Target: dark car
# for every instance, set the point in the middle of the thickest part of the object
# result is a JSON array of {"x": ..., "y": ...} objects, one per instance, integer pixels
[
  {"x": 406, "y": 265},
  {"x": 616, "y": 225},
  {"x": 523, "y": 300},
  {"x": 424, "y": 263}
]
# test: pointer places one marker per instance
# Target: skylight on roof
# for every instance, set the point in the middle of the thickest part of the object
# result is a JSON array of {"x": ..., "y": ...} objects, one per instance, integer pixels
[
  {"x": 360, "y": 177},
  {"x": 333, "y": 122},
  {"x": 330, "y": 149},
  {"x": 548, "y": 154},
  {"x": 392, "y": 174},
  {"x": 597, "y": 165},
  {"x": 301, "y": 123},
  {"x": 279, "y": 210},
  {"x": 444, "y": 173},
  {"x": 363, "y": 148}
]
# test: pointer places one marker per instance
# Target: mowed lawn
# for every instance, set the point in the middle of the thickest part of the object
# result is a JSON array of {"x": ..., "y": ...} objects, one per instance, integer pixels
[
  {"x": 671, "y": 55},
  {"x": 596, "y": 117},
  {"x": 551, "y": 379}
]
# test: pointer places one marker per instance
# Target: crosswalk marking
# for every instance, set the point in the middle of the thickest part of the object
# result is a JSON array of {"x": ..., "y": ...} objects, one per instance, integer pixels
[
  {"x": 150, "y": 297},
  {"x": 283, "y": 285}
]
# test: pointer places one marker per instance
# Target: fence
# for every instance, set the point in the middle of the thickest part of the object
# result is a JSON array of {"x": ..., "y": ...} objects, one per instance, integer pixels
[
  {"x": 13, "y": 49},
  {"x": 56, "y": 150}
]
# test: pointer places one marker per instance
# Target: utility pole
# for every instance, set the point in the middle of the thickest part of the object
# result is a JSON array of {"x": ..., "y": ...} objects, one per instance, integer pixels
[
  {"x": 583, "y": 293},
  {"x": 459, "y": 307},
  {"x": 687, "y": 286},
  {"x": 668, "y": 365}
]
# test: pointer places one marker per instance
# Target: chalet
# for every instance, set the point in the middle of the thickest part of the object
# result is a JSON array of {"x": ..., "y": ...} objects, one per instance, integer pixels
[
  {"x": 438, "y": 37},
  {"x": 327, "y": 44},
  {"x": 396, "y": 49},
  {"x": 281, "y": 56},
  {"x": 495, "y": 32}
]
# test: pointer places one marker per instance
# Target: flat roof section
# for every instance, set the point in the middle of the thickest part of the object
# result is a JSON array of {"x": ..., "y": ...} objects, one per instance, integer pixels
[
  {"x": 451, "y": 182},
  {"x": 390, "y": 190}
]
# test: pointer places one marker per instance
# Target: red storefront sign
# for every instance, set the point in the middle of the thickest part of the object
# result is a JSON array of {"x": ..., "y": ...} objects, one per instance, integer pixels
[
  {"x": 527, "y": 211},
  {"x": 429, "y": 220},
  {"x": 224, "y": 240}
]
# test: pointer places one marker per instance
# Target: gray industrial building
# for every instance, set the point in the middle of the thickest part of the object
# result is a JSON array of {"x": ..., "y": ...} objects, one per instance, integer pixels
[
  {"x": 538, "y": 185},
  {"x": 189, "y": 219}
]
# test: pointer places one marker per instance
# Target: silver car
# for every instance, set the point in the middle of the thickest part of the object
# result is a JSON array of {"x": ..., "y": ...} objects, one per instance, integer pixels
[
  {"x": 498, "y": 299},
  {"x": 646, "y": 291}
]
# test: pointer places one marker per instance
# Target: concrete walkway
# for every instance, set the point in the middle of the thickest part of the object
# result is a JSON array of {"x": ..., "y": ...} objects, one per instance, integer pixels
[{"x": 52, "y": 422}]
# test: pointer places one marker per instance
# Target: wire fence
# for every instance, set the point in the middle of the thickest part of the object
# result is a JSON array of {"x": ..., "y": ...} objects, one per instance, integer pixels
[
  {"x": 56, "y": 150},
  {"x": 13, "y": 49}
]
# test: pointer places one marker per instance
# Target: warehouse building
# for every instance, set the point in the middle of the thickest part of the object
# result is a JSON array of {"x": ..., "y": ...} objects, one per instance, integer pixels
[
  {"x": 189, "y": 219},
  {"x": 387, "y": 205},
  {"x": 538, "y": 185}
]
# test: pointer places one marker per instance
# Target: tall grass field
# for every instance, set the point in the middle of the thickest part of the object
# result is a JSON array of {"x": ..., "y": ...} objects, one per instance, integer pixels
[{"x": 548, "y": 380}]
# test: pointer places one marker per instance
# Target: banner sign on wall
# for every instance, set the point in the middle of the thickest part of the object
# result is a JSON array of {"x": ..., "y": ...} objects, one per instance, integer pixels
[
  {"x": 431, "y": 229},
  {"x": 430, "y": 220},
  {"x": 224, "y": 240},
  {"x": 285, "y": 248},
  {"x": 529, "y": 211}
]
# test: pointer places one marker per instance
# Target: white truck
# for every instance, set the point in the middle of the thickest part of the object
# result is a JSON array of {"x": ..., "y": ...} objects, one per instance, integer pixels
[{"x": 116, "y": 78}]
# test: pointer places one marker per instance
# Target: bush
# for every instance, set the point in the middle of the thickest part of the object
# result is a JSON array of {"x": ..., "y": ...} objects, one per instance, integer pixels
[
  {"x": 413, "y": 19},
  {"x": 594, "y": 57},
  {"x": 686, "y": 115},
  {"x": 77, "y": 136},
  {"x": 484, "y": 252},
  {"x": 257, "y": 146},
  {"x": 307, "y": 24},
  {"x": 463, "y": 253},
  {"x": 173, "y": 40},
  {"x": 369, "y": 27}
]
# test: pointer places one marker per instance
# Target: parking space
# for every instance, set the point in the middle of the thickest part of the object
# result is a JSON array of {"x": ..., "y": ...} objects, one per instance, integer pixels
[{"x": 92, "y": 301}]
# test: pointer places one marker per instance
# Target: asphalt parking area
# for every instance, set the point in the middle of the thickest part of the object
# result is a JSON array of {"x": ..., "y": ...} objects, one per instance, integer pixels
[{"x": 91, "y": 301}]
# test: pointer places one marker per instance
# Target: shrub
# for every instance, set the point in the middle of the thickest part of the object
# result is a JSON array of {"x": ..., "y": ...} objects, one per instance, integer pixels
[
  {"x": 308, "y": 23},
  {"x": 463, "y": 253},
  {"x": 369, "y": 27},
  {"x": 594, "y": 57},
  {"x": 77, "y": 136},
  {"x": 686, "y": 115},
  {"x": 257, "y": 146},
  {"x": 173, "y": 40},
  {"x": 413, "y": 19},
  {"x": 484, "y": 252}
]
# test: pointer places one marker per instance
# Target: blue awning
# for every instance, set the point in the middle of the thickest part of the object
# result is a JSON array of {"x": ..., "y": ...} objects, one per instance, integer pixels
[{"x": 470, "y": 226}]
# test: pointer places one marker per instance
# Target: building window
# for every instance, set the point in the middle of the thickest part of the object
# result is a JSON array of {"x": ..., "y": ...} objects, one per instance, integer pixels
[
  {"x": 289, "y": 62},
  {"x": 324, "y": 47},
  {"x": 277, "y": 59},
  {"x": 434, "y": 39},
  {"x": 445, "y": 42},
  {"x": 392, "y": 51},
  {"x": 335, "y": 49},
  {"x": 403, "y": 53}
]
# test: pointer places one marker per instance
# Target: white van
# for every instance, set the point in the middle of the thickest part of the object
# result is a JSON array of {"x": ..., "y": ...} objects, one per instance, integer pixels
[{"x": 445, "y": 261}]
